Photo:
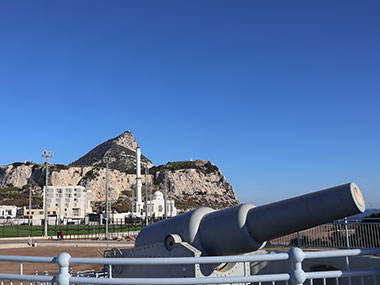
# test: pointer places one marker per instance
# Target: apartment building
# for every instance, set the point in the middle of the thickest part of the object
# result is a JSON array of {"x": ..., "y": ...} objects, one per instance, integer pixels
[{"x": 69, "y": 201}]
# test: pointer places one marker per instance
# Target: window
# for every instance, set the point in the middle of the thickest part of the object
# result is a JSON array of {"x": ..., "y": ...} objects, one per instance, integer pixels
[
  {"x": 56, "y": 205},
  {"x": 41, "y": 212}
]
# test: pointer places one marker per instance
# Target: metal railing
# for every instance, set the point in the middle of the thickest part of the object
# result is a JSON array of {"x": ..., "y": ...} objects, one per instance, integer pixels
[
  {"x": 339, "y": 234},
  {"x": 295, "y": 256}
]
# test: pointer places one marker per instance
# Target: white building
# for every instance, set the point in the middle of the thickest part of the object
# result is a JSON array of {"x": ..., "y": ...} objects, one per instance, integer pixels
[
  {"x": 68, "y": 202},
  {"x": 155, "y": 208},
  {"x": 8, "y": 211}
]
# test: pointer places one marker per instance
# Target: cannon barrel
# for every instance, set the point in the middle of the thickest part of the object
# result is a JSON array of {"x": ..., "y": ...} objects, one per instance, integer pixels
[{"x": 245, "y": 228}]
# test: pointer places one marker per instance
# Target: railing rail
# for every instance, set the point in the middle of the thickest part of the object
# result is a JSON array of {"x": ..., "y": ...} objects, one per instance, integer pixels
[
  {"x": 295, "y": 256},
  {"x": 340, "y": 234}
]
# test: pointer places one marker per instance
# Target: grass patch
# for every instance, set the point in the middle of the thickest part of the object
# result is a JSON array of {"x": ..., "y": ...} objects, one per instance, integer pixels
[{"x": 7, "y": 231}]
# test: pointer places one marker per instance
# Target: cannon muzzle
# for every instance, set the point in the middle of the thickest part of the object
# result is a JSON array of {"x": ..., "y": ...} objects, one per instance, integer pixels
[{"x": 245, "y": 228}]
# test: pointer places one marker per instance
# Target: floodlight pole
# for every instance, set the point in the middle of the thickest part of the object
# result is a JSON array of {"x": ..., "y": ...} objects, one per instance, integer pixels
[{"x": 47, "y": 154}]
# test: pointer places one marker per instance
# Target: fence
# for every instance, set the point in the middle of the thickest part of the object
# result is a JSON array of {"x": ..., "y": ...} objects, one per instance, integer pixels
[
  {"x": 340, "y": 234},
  {"x": 89, "y": 231},
  {"x": 295, "y": 257}
]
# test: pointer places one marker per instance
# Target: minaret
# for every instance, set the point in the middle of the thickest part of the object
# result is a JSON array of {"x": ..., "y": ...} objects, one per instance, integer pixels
[{"x": 138, "y": 175}]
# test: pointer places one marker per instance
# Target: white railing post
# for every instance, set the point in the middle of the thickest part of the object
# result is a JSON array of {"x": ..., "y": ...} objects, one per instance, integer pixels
[
  {"x": 63, "y": 261},
  {"x": 346, "y": 233},
  {"x": 297, "y": 275},
  {"x": 21, "y": 270}
]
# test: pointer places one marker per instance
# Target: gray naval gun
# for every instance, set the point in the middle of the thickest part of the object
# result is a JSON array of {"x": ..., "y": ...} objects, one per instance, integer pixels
[{"x": 232, "y": 231}]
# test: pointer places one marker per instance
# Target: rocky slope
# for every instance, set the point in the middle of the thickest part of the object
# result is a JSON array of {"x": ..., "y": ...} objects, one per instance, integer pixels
[
  {"x": 191, "y": 183},
  {"x": 121, "y": 150}
]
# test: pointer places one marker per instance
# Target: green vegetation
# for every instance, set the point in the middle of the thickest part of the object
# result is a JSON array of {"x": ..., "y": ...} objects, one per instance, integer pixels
[
  {"x": 90, "y": 175},
  {"x": 372, "y": 217},
  {"x": 19, "y": 197},
  {"x": 9, "y": 192},
  {"x": 130, "y": 171},
  {"x": 17, "y": 164},
  {"x": 210, "y": 168},
  {"x": 205, "y": 167},
  {"x": 126, "y": 193},
  {"x": 59, "y": 167},
  {"x": 121, "y": 206}
]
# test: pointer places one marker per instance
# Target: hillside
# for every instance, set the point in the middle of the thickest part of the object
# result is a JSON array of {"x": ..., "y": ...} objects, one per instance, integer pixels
[
  {"x": 191, "y": 183},
  {"x": 191, "y": 187},
  {"x": 121, "y": 150}
]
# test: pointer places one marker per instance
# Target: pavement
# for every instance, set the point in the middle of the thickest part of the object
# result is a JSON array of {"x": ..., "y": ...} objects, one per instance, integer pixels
[{"x": 23, "y": 242}]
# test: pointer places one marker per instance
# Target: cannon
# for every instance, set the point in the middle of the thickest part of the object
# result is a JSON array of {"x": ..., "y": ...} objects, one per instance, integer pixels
[{"x": 236, "y": 230}]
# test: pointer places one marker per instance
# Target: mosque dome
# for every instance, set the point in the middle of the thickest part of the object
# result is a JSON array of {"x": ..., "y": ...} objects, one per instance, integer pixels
[{"x": 158, "y": 195}]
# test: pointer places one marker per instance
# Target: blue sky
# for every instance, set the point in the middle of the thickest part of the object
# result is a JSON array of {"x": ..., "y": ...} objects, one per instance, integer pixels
[{"x": 283, "y": 96}]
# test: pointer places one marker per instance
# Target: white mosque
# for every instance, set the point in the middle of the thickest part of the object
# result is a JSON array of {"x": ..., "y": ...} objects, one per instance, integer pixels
[{"x": 155, "y": 207}]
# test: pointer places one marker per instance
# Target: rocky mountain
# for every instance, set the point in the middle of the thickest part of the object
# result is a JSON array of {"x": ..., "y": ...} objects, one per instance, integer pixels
[
  {"x": 191, "y": 183},
  {"x": 121, "y": 151}
]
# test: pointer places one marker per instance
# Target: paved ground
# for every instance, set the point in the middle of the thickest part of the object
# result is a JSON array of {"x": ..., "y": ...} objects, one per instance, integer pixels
[
  {"x": 82, "y": 248},
  {"x": 21, "y": 243}
]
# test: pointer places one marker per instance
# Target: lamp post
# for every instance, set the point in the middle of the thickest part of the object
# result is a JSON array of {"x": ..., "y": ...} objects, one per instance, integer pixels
[
  {"x": 47, "y": 154},
  {"x": 30, "y": 205},
  {"x": 107, "y": 160}
]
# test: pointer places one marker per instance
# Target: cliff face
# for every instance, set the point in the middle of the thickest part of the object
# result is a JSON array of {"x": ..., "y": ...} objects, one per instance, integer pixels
[{"x": 190, "y": 187}]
